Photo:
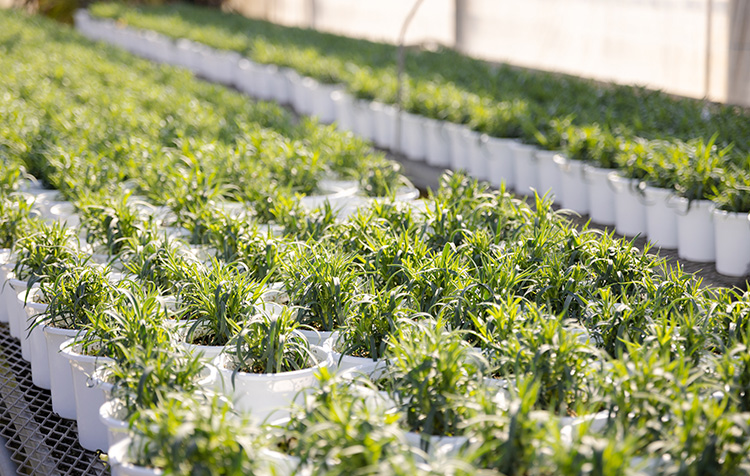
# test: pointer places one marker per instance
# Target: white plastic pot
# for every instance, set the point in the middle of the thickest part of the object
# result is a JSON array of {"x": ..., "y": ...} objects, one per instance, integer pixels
[
  {"x": 601, "y": 195},
  {"x": 661, "y": 221},
  {"x": 121, "y": 466},
  {"x": 574, "y": 193},
  {"x": 264, "y": 394},
  {"x": 64, "y": 212},
  {"x": 459, "y": 155},
  {"x": 597, "y": 422},
  {"x": 630, "y": 208},
  {"x": 219, "y": 66},
  {"x": 436, "y": 446},
  {"x": 437, "y": 144},
  {"x": 499, "y": 160},
  {"x": 412, "y": 136},
  {"x": 316, "y": 338},
  {"x": 478, "y": 156},
  {"x": 266, "y": 76},
  {"x": 384, "y": 118},
  {"x": 695, "y": 230},
  {"x": 17, "y": 316},
  {"x": 525, "y": 168},
  {"x": 187, "y": 55},
  {"x": 37, "y": 344},
  {"x": 279, "y": 82},
  {"x": 732, "y": 236},
  {"x": 271, "y": 462},
  {"x": 321, "y": 103},
  {"x": 6, "y": 292},
  {"x": 161, "y": 47},
  {"x": 90, "y": 395},
  {"x": 344, "y": 104},
  {"x": 247, "y": 77},
  {"x": 61, "y": 377},
  {"x": 548, "y": 177},
  {"x": 348, "y": 362},
  {"x": 298, "y": 98},
  {"x": 112, "y": 416},
  {"x": 362, "y": 117}
]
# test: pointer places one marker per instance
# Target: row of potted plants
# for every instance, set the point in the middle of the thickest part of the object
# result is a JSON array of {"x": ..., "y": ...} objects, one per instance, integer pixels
[
  {"x": 506, "y": 350},
  {"x": 494, "y": 336},
  {"x": 680, "y": 195}
]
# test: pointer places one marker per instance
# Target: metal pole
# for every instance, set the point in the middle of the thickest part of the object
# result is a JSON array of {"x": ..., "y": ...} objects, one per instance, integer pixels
[
  {"x": 459, "y": 31},
  {"x": 709, "y": 21}
]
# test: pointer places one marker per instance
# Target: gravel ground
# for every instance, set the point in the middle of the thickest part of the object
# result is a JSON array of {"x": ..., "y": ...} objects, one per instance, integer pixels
[{"x": 425, "y": 176}]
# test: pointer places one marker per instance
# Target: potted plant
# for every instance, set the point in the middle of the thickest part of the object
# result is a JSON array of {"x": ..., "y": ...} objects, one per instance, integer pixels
[
  {"x": 136, "y": 319},
  {"x": 269, "y": 364},
  {"x": 74, "y": 295},
  {"x": 732, "y": 224},
  {"x": 630, "y": 202},
  {"x": 109, "y": 227},
  {"x": 347, "y": 426},
  {"x": 655, "y": 164},
  {"x": 15, "y": 216},
  {"x": 41, "y": 255},
  {"x": 697, "y": 183},
  {"x": 436, "y": 380},
  {"x": 214, "y": 302},
  {"x": 362, "y": 340},
  {"x": 146, "y": 378},
  {"x": 186, "y": 435},
  {"x": 321, "y": 284}
]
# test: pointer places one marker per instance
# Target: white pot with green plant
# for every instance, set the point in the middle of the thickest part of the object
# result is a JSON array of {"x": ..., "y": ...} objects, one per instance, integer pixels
[
  {"x": 525, "y": 168},
  {"x": 213, "y": 302},
  {"x": 630, "y": 208},
  {"x": 459, "y": 159},
  {"x": 384, "y": 118},
  {"x": 363, "y": 119},
  {"x": 36, "y": 303},
  {"x": 320, "y": 284},
  {"x": 269, "y": 365},
  {"x": 361, "y": 342},
  {"x": 731, "y": 219},
  {"x": 210, "y": 436},
  {"x": 478, "y": 157},
  {"x": 661, "y": 221},
  {"x": 148, "y": 376},
  {"x": 247, "y": 77},
  {"x": 90, "y": 394},
  {"x": 548, "y": 174},
  {"x": 344, "y": 104},
  {"x": 77, "y": 294},
  {"x": 412, "y": 135},
  {"x": 322, "y": 105},
  {"x": 573, "y": 187},
  {"x": 437, "y": 143},
  {"x": 111, "y": 337},
  {"x": 696, "y": 238},
  {"x": 47, "y": 251},
  {"x": 279, "y": 82},
  {"x": 436, "y": 381},
  {"x": 499, "y": 160},
  {"x": 601, "y": 194}
]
